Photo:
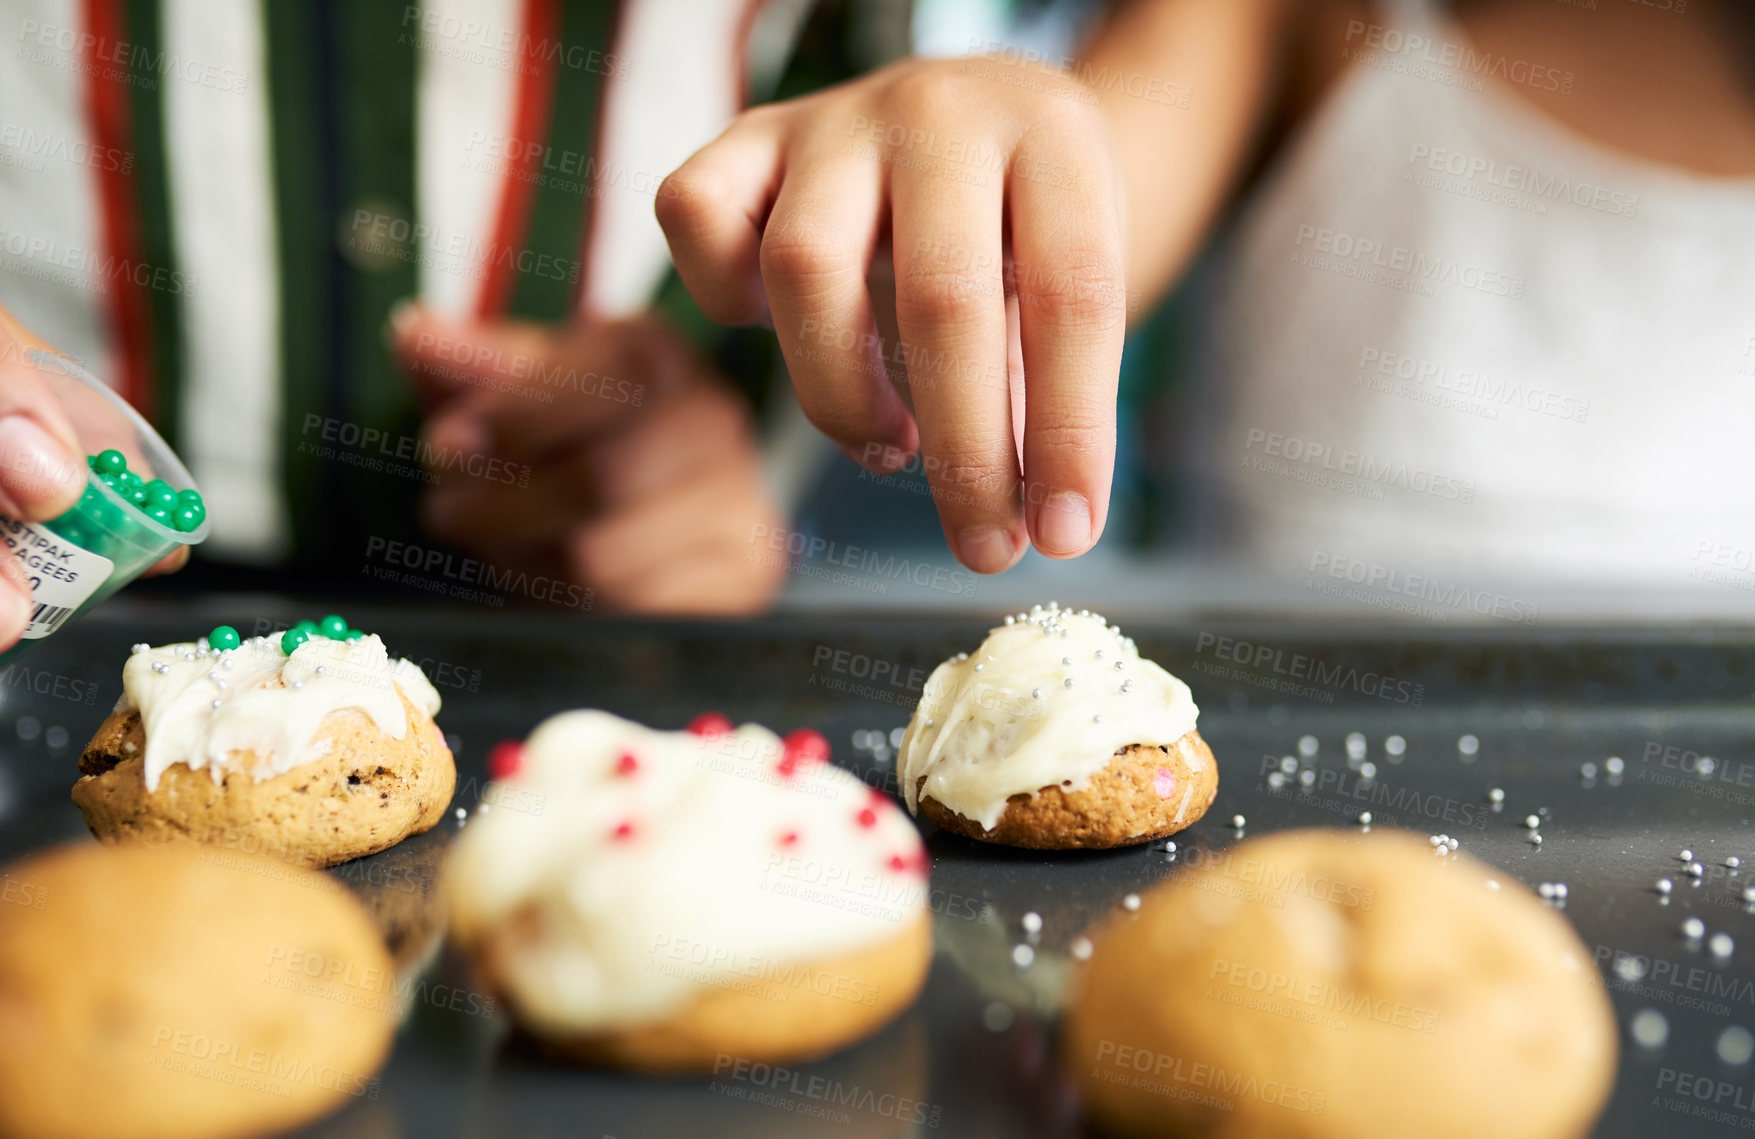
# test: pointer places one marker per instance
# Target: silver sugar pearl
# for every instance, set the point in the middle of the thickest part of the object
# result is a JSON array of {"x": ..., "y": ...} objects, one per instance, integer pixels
[
  {"x": 1130, "y": 902},
  {"x": 1693, "y": 929}
]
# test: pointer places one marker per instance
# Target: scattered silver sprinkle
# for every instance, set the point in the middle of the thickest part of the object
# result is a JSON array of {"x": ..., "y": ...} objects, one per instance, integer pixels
[
  {"x": 1288, "y": 764},
  {"x": 1355, "y": 745},
  {"x": 1613, "y": 765},
  {"x": 1496, "y": 795},
  {"x": 1707, "y": 764},
  {"x": 1630, "y": 967},
  {"x": 298, "y": 684},
  {"x": 1468, "y": 745},
  {"x": 1368, "y": 771},
  {"x": 188, "y": 656},
  {"x": 160, "y": 667},
  {"x": 1664, "y": 885},
  {"x": 1032, "y": 922},
  {"x": 1735, "y": 1045},
  {"x": 1066, "y": 662},
  {"x": 1022, "y": 955},
  {"x": 1130, "y": 902},
  {"x": 1119, "y": 665},
  {"x": 1720, "y": 944},
  {"x": 484, "y": 808},
  {"x": 1648, "y": 1028},
  {"x": 1170, "y": 848},
  {"x": 1364, "y": 818},
  {"x": 1237, "y": 821},
  {"x": 140, "y": 647},
  {"x": 1067, "y": 683},
  {"x": 1535, "y": 839},
  {"x": 1455, "y": 843},
  {"x": 1395, "y": 745},
  {"x": 1098, "y": 655},
  {"x": 1125, "y": 685},
  {"x": 1010, "y": 620},
  {"x": 1587, "y": 770},
  {"x": 1036, "y": 693},
  {"x": 1693, "y": 929},
  {"x": 1695, "y": 870},
  {"x": 323, "y": 670},
  {"x": 56, "y": 737},
  {"x": 216, "y": 703},
  {"x": 1081, "y": 948},
  {"x": 1732, "y": 861},
  {"x": 214, "y": 676},
  {"x": 1097, "y": 718},
  {"x": 461, "y": 813},
  {"x": 979, "y": 667},
  {"x": 1687, "y": 855},
  {"x": 997, "y": 1016},
  {"x": 1307, "y": 778},
  {"x": 1749, "y": 894},
  {"x": 228, "y": 661},
  {"x": 1276, "y": 780},
  {"x": 1307, "y": 746},
  {"x": 1546, "y": 889},
  {"x": 1435, "y": 839},
  {"x": 1532, "y": 822}
]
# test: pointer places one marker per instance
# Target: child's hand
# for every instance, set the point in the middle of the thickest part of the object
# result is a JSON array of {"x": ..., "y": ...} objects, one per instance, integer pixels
[{"x": 985, "y": 179}]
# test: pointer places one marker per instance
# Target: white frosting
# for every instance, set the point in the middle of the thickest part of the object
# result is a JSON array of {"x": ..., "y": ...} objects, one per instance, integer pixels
[
  {"x": 201, "y": 707},
  {"x": 1005, "y": 721},
  {"x": 594, "y": 929}
]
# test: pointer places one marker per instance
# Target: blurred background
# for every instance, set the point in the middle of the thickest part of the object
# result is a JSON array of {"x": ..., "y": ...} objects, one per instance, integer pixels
[{"x": 1469, "y": 344}]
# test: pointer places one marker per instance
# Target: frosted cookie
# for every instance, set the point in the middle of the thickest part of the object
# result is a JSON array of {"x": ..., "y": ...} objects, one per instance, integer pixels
[
  {"x": 1330, "y": 984},
  {"x": 1056, "y": 734},
  {"x": 166, "y": 991},
  {"x": 314, "y": 747},
  {"x": 683, "y": 897}
]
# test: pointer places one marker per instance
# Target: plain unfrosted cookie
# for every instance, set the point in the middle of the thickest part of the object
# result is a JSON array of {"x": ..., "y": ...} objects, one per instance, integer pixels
[
  {"x": 313, "y": 750},
  {"x": 1056, "y": 734},
  {"x": 166, "y": 992},
  {"x": 1328, "y": 984},
  {"x": 676, "y": 901}
]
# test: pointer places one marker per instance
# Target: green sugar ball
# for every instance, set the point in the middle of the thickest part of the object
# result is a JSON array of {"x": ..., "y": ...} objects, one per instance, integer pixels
[
  {"x": 186, "y": 520},
  {"x": 191, "y": 497},
  {"x": 223, "y": 637},
  {"x": 158, "y": 514},
  {"x": 129, "y": 479},
  {"x": 293, "y": 638},
  {"x": 111, "y": 462},
  {"x": 160, "y": 493},
  {"x": 332, "y": 627},
  {"x": 308, "y": 628}
]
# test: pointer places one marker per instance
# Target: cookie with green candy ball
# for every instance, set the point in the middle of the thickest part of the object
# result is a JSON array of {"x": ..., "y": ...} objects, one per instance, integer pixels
[{"x": 314, "y": 746}]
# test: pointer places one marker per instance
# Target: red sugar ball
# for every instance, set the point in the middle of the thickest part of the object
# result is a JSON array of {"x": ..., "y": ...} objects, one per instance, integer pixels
[
  {"x": 710, "y": 724},
  {"x": 505, "y": 759}
]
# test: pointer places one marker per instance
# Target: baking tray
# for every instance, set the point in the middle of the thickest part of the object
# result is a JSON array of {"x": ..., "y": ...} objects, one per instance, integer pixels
[{"x": 975, "y": 1055}]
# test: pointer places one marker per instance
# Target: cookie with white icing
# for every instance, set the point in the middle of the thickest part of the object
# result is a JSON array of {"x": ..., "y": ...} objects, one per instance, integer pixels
[
  {"x": 1056, "y": 734},
  {"x": 664, "y": 900},
  {"x": 315, "y": 756}
]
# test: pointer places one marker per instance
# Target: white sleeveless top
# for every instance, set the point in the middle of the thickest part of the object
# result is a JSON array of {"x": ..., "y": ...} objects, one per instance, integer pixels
[{"x": 1452, "y": 338}]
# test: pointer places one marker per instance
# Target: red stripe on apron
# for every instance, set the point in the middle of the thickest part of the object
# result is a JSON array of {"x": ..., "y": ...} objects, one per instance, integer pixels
[
  {"x": 532, "y": 106},
  {"x": 107, "y": 91}
]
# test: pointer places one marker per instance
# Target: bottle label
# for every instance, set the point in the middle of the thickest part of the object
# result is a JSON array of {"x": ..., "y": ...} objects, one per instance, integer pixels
[{"x": 62, "y": 575}]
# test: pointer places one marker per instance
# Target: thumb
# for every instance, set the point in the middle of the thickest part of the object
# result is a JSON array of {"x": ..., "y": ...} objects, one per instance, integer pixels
[{"x": 42, "y": 467}]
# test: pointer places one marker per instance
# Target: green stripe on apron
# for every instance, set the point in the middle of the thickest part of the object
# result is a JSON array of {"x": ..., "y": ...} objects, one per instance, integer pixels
[
  {"x": 152, "y": 190},
  {"x": 546, "y": 280}
]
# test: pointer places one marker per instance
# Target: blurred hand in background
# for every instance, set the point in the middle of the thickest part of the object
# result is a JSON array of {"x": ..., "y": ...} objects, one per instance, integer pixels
[{"x": 622, "y": 461}]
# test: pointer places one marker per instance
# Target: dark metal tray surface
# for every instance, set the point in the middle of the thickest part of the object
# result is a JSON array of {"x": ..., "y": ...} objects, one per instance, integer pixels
[{"x": 976, "y": 1055}]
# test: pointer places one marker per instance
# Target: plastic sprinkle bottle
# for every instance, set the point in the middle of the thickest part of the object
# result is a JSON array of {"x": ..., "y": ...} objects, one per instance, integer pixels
[{"x": 139, "y": 504}]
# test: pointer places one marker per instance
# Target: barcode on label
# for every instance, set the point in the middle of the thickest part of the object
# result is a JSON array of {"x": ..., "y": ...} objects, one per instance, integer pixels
[{"x": 45, "y": 619}]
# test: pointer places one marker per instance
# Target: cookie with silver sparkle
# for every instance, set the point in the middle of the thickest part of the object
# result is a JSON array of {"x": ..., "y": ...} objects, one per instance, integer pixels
[
  {"x": 1326, "y": 984},
  {"x": 682, "y": 897},
  {"x": 1056, "y": 734},
  {"x": 313, "y": 746}
]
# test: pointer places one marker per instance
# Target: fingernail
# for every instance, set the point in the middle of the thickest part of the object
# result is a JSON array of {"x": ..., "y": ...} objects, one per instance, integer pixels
[
  {"x": 402, "y": 317},
  {"x": 36, "y": 473},
  {"x": 1063, "y": 526},
  {"x": 985, "y": 549}
]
